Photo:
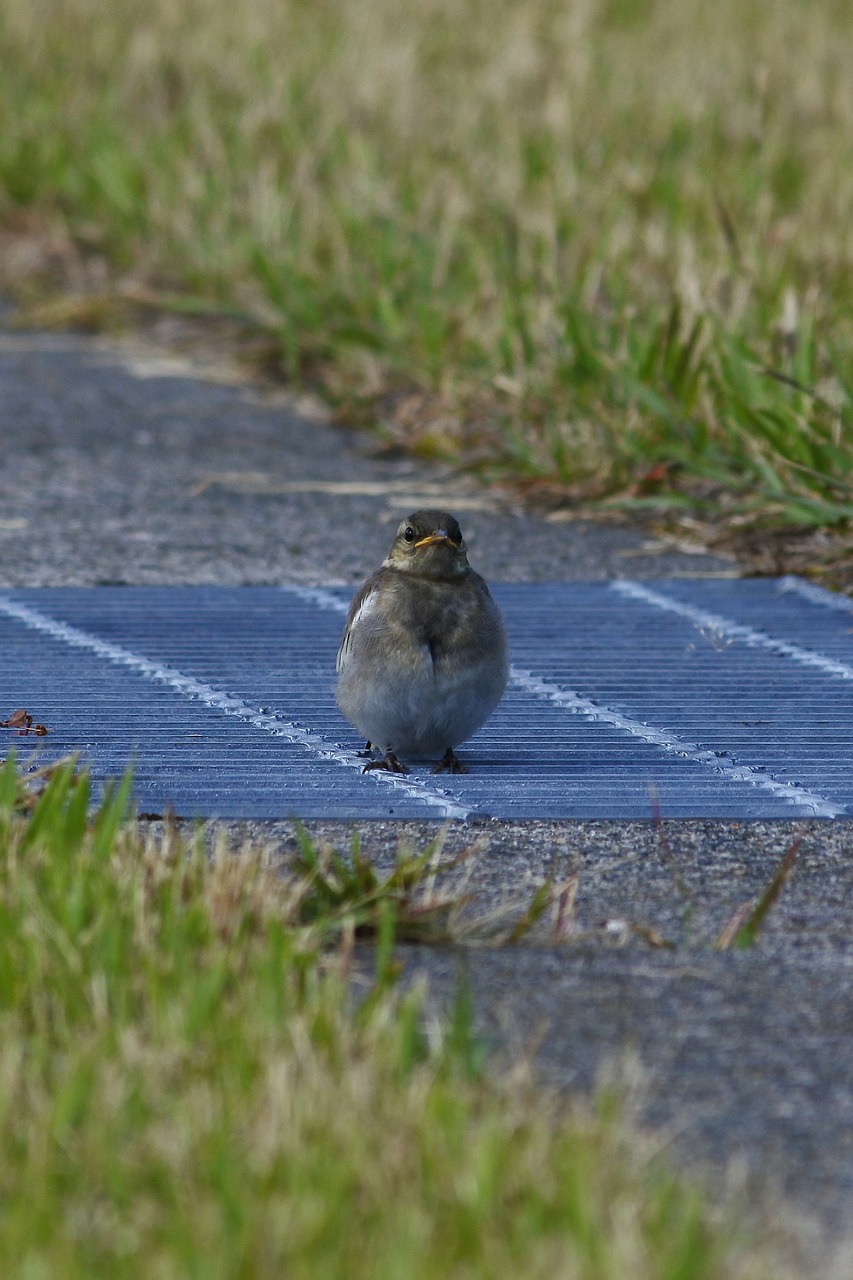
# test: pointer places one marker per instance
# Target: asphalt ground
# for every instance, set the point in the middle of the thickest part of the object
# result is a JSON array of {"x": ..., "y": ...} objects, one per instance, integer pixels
[{"x": 121, "y": 466}]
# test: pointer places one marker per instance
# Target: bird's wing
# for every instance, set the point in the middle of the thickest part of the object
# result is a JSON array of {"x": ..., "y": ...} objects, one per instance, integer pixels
[{"x": 363, "y": 603}]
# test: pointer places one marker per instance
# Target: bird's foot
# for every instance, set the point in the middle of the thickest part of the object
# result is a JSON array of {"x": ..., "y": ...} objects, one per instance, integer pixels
[
  {"x": 389, "y": 761},
  {"x": 449, "y": 763},
  {"x": 368, "y": 747}
]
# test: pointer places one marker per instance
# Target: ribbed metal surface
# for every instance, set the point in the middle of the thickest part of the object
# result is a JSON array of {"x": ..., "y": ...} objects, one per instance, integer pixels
[{"x": 722, "y": 699}]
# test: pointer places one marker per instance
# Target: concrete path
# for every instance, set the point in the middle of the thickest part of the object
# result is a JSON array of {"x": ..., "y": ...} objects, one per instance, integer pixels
[{"x": 121, "y": 468}]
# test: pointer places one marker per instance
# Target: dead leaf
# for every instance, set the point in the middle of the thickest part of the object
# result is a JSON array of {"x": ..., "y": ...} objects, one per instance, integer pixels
[
  {"x": 21, "y": 723},
  {"x": 17, "y": 720}
]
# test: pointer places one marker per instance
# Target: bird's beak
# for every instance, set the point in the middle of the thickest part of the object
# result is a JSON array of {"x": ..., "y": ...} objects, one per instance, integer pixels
[{"x": 438, "y": 536}]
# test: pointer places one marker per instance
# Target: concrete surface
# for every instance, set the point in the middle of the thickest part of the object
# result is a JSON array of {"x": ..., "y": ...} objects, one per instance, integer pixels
[
  {"x": 116, "y": 469},
  {"x": 120, "y": 468}
]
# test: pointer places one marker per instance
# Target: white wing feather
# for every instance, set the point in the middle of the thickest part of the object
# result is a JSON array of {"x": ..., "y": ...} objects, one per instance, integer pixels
[{"x": 367, "y": 606}]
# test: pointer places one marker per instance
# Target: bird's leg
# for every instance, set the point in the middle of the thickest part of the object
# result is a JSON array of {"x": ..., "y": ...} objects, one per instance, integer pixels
[
  {"x": 389, "y": 761},
  {"x": 449, "y": 763}
]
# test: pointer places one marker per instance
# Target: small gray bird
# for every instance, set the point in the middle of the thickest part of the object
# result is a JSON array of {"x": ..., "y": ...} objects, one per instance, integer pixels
[{"x": 423, "y": 660}]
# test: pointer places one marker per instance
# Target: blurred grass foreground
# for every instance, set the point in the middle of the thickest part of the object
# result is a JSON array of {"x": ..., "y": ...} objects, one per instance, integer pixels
[
  {"x": 604, "y": 247},
  {"x": 201, "y": 1077}
]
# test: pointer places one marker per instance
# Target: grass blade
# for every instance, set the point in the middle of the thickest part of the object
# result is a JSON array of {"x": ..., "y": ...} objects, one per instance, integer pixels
[{"x": 742, "y": 929}]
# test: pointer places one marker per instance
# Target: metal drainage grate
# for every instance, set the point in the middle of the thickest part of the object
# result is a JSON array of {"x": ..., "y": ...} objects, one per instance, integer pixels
[{"x": 722, "y": 699}]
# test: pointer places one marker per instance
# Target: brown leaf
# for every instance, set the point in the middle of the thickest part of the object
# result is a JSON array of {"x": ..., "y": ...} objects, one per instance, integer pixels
[
  {"x": 21, "y": 723},
  {"x": 19, "y": 719}
]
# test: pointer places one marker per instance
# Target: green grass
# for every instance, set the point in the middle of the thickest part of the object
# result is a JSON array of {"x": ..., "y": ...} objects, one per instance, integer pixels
[
  {"x": 603, "y": 248},
  {"x": 199, "y": 1077}
]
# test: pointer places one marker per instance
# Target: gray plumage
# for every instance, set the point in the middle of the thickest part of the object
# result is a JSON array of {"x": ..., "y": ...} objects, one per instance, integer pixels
[{"x": 423, "y": 661}]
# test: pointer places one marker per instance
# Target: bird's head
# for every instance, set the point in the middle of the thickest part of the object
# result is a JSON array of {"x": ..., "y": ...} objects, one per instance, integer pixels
[{"x": 429, "y": 543}]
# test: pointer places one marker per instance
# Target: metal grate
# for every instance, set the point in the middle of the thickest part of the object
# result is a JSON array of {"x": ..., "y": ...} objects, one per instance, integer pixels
[{"x": 721, "y": 698}]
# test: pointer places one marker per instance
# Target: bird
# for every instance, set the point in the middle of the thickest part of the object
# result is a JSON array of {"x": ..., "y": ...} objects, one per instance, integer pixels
[{"x": 423, "y": 661}]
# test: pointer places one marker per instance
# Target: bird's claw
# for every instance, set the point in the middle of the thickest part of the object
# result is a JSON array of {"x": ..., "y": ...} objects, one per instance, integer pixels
[
  {"x": 389, "y": 762},
  {"x": 449, "y": 763}
]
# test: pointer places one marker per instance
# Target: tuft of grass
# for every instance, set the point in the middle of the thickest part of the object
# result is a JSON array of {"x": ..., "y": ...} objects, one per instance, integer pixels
[
  {"x": 603, "y": 248},
  {"x": 347, "y": 895},
  {"x": 191, "y": 1084},
  {"x": 426, "y": 897}
]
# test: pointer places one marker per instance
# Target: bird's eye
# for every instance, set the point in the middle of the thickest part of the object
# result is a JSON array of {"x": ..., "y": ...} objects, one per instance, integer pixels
[{"x": 409, "y": 533}]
